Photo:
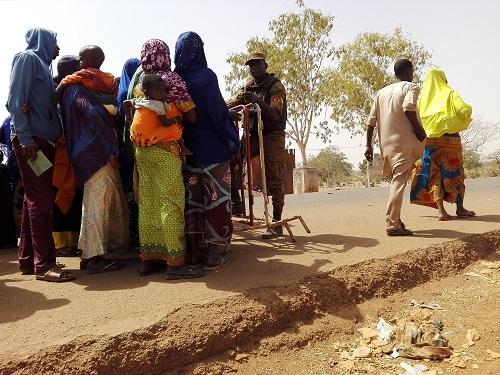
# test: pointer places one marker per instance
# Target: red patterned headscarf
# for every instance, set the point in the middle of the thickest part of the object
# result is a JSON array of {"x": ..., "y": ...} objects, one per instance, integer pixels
[{"x": 155, "y": 59}]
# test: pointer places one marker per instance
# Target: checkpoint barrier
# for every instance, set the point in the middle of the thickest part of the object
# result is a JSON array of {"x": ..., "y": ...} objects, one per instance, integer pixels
[{"x": 249, "y": 218}]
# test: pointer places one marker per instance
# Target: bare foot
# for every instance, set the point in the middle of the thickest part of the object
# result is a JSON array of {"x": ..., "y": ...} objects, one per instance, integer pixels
[{"x": 462, "y": 212}]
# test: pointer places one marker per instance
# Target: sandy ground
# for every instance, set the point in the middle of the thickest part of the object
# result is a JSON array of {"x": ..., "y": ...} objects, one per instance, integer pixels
[
  {"x": 347, "y": 228},
  {"x": 322, "y": 347},
  {"x": 193, "y": 333}
]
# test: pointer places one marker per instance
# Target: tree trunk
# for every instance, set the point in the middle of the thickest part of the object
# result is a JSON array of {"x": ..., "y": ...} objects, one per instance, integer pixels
[{"x": 303, "y": 154}]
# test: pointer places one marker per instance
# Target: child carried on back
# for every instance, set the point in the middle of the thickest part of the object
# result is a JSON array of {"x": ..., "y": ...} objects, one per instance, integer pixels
[
  {"x": 156, "y": 122},
  {"x": 90, "y": 75},
  {"x": 103, "y": 85}
]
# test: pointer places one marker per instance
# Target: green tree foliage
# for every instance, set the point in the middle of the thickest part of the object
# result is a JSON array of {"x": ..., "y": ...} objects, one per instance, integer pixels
[
  {"x": 299, "y": 52},
  {"x": 365, "y": 65},
  {"x": 332, "y": 165}
]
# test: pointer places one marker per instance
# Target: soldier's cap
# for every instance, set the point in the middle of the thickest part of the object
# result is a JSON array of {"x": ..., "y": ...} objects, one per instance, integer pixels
[{"x": 252, "y": 56}]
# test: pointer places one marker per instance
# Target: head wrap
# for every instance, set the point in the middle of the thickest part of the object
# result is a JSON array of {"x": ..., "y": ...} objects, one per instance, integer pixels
[
  {"x": 189, "y": 52},
  {"x": 66, "y": 65},
  {"x": 441, "y": 109},
  {"x": 155, "y": 59},
  {"x": 214, "y": 138}
]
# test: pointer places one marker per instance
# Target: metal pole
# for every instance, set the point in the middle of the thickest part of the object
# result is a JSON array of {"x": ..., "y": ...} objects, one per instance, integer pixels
[
  {"x": 368, "y": 174},
  {"x": 246, "y": 123},
  {"x": 260, "y": 127},
  {"x": 240, "y": 175}
]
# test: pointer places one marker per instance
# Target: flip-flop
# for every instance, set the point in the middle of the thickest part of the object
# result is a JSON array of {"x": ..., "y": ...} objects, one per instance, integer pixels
[{"x": 56, "y": 275}]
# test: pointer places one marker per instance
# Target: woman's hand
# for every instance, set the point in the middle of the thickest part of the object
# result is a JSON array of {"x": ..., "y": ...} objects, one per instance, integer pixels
[{"x": 29, "y": 151}]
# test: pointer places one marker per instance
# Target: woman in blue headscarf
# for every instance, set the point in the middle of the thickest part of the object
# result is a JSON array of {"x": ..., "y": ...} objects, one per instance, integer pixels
[
  {"x": 128, "y": 71},
  {"x": 126, "y": 153},
  {"x": 213, "y": 139}
]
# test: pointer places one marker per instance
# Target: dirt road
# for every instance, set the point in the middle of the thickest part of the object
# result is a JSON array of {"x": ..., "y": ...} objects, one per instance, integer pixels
[{"x": 347, "y": 228}]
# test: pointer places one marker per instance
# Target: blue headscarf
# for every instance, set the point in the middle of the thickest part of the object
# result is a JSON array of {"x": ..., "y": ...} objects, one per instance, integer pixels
[
  {"x": 66, "y": 65},
  {"x": 189, "y": 53},
  {"x": 214, "y": 138},
  {"x": 128, "y": 71}
]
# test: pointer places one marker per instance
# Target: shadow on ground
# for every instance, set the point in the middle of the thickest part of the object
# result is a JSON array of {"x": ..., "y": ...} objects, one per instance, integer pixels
[
  {"x": 18, "y": 302},
  {"x": 440, "y": 233}
]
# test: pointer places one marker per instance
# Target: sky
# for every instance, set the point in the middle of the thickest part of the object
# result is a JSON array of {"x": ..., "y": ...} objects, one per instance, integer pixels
[{"x": 462, "y": 36}]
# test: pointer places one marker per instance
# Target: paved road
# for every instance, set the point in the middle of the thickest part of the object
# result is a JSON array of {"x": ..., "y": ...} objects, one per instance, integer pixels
[{"x": 347, "y": 227}]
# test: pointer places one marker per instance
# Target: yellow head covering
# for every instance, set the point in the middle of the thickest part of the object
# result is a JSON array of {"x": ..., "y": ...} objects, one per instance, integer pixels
[{"x": 440, "y": 108}]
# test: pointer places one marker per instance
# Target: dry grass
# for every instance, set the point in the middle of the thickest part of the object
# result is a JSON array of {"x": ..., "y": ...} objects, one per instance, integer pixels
[{"x": 489, "y": 169}]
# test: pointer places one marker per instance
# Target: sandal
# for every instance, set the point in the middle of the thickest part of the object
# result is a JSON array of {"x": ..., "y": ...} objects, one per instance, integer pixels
[
  {"x": 99, "y": 265},
  {"x": 31, "y": 271},
  {"x": 56, "y": 275},
  {"x": 399, "y": 232},
  {"x": 184, "y": 272}
]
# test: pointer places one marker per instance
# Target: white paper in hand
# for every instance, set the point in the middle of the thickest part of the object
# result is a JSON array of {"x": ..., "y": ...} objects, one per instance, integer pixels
[{"x": 41, "y": 163}]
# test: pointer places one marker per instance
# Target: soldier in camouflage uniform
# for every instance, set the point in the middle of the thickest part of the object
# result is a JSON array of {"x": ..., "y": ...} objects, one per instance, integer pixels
[{"x": 269, "y": 93}]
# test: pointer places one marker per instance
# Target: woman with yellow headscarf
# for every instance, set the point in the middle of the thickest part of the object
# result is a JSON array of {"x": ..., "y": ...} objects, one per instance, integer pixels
[{"x": 439, "y": 175}]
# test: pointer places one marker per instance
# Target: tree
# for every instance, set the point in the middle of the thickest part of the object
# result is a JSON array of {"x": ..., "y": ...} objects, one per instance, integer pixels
[
  {"x": 479, "y": 133},
  {"x": 332, "y": 166},
  {"x": 495, "y": 157},
  {"x": 472, "y": 160},
  {"x": 299, "y": 52},
  {"x": 364, "y": 67},
  {"x": 474, "y": 138}
]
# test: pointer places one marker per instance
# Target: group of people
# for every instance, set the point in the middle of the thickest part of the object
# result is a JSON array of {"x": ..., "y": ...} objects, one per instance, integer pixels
[
  {"x": 418, "y": 132},
  {"x": 148, "y": 160},
  {"x": 143, "y": 161}
]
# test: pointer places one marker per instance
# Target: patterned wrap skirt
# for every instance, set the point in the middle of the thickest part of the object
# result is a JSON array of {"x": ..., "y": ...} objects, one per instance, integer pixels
[
  {"x": 208, "y": 202},
  {"x": 439, "y": 174},
  {"x": 161, "y": 205}
]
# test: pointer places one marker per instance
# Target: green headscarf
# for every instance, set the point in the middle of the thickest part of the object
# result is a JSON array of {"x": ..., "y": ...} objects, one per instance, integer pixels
[{"x": 440, "y": 108}]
